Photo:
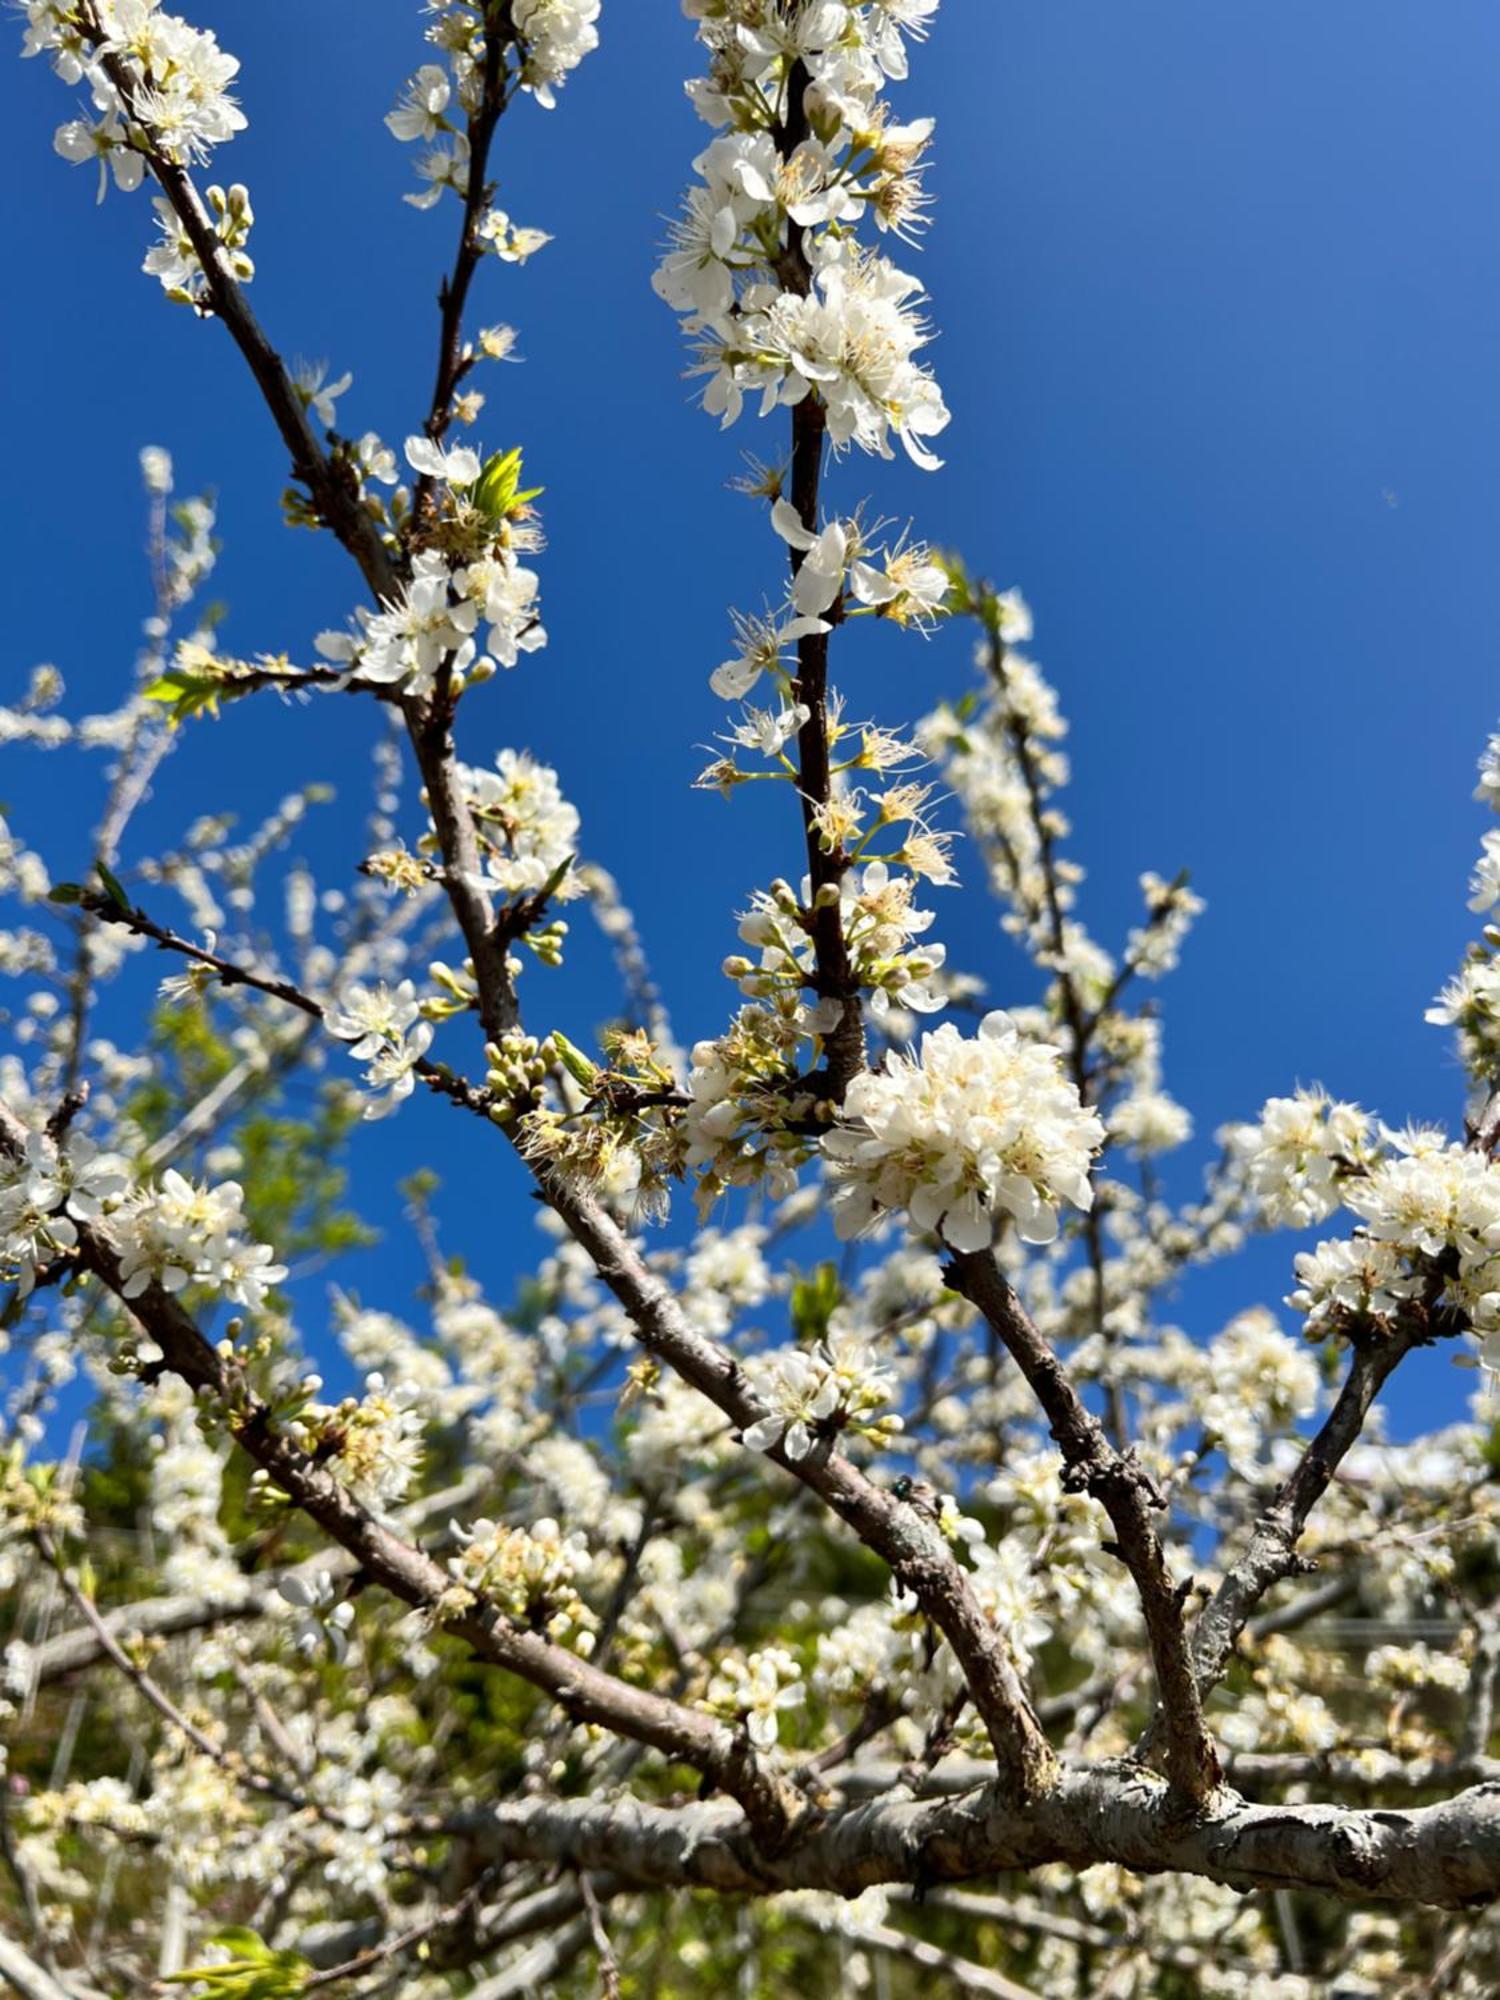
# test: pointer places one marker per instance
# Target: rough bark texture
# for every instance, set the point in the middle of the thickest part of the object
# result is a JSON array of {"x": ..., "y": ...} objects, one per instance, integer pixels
[{"x": 1446, "y": 1855}]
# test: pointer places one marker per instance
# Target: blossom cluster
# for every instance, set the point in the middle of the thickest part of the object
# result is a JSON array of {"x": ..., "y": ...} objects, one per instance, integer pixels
[
  {"x": 174, "y": 260},
  {"x": 754, "y": 1692},
  {"x": 159, "y": 84},
  {"x": 173, "y": 1234},
  {"x": 473, "y": 575},
  {"x": 962, "y": 1134},
  {"x": 1430, "y": 1215},
  {"x": 372, "y": 1444},
  {"x": 527, "y": 830},
  {"x": 385, "y": 1029},
  {"x": 160, "y": 90},
  {"x": 530, "y": 1574},
  {"x": 1298, "y": 1154},
  {"x": 326, "y": 1618},
  {"x": 183, "y": 1233},
  {"x": 1470, "y": 1002},
  {"x": 880, "y": 926},
  {"x": 548, "y": 39},
  {"x": 814, "y": 1397},
  {"x": 45, "y": 1192},
  {"x": 782, "y": 299},
  {"x": 748, "y": 1102},
  {"x": 626, "y": 1152}
]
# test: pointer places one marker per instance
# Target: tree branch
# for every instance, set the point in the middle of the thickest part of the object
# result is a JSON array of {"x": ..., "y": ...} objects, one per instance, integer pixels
[
  {"x": 334, "y": 490},
  {"x": 1271, "y": 1554},
  {"x": 1447, "y": 1856},
  {"x": 437, "y": 1076},
  {"x": 27, "y": 1978},
  {"x": 408, "y": 1573},
  {"x": 453, "y": 363},
  {"x": 826, "y": 866},
  {"x": 899, "y": 1533},
  {"x": 1128, "y": 1496}
]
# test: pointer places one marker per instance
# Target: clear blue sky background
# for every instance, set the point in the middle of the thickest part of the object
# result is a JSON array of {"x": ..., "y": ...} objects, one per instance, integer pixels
[{"x": 1219, "y": 291}]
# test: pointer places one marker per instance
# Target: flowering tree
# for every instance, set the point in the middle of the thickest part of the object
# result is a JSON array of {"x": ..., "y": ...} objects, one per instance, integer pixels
[{"x": 714, "y": 1611}]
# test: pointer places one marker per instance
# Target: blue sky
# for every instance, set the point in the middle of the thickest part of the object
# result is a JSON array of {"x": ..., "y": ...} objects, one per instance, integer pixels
[{"x": 1219, "y": 295}]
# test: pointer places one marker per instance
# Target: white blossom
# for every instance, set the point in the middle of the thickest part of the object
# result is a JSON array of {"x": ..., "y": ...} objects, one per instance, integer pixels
[
  {"x": 962, "y": 1134},
  {"x": 1294, "y": 1158}
]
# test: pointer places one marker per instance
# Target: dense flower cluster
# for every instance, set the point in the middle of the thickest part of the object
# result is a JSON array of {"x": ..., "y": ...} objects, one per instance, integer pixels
[
  {"x": 158, "y": 83},
  {"x": 160, "y": 89},
  {"x": 783, "y": 301},
  {"x": 45, "y": 1194},
  {"x": 747, "y": 1098},
  {"x": 175, "y": 1233},
  {"x": 1297, "y": 1155},
  {"x": 476, "y": 578},
  {"x": 530, "y": 1574},
  {"x": 372, "y": 1443},
  {"x": 963, "y": 1134},
  {"x": 754, "y": 1693},
  {"x": 555, "y": 37},
  {"x": 528, "y": 832},
  {"x": 837, "y": 1387},
  {"x": 1429, "y": 1230},
  {"x": 879, "y": 924},
  {"x": 182, "y": 1233}
]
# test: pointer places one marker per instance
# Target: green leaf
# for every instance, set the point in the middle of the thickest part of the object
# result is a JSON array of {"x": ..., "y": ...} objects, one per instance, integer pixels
[
  {"x": 112, "y": 887},
  {"x": 497, "y": 491},
  {"x": 576, "y": 1063},
  {"x": 556, "y": 879},
  {"x": 185, "y": 693},
  {"x": 252, "y": 1972},
  {"x": 813, "y": 1301}
]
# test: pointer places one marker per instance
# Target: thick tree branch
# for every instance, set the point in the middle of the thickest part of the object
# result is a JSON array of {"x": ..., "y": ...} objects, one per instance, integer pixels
[
  {"x": 1445, "y": 1855},
  {"x": 1092, "y": 1465}
]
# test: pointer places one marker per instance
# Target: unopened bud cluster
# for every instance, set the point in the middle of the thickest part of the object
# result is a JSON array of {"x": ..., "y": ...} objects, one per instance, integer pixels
[{"x": 517, "y": 1068}]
